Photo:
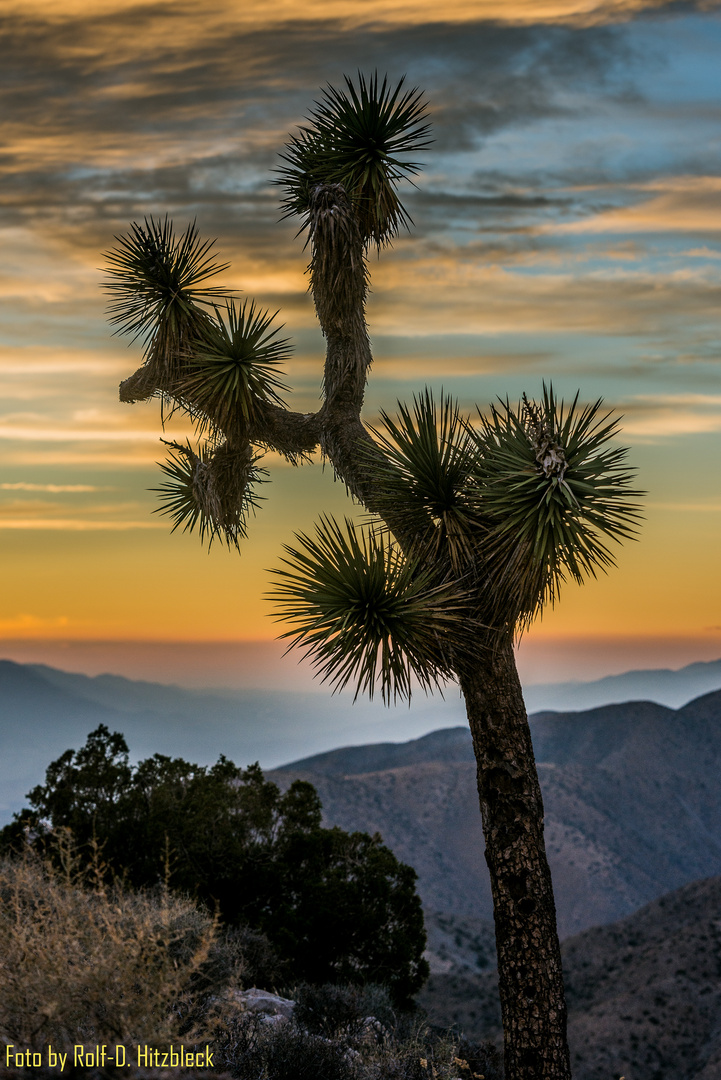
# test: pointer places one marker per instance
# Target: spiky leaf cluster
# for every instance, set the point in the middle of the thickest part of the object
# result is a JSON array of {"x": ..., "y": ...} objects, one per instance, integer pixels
[
  {"x": 365, "y": 613},
  {"x": 233, "y": 370},
  {"x": 155, "y": 285},
  {"x": 355, "y": 139},
  {"x": 429, "y": 483},
  {"x": 211, "y": 490},
  {"x": 552, "y": 489}
]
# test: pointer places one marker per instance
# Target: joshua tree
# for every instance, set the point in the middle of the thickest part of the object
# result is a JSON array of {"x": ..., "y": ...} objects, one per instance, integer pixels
[{"x": 474, "y": 521}]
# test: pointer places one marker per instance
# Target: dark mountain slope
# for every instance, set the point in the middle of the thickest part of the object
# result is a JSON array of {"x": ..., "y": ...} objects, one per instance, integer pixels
[
  {"x": 644, "y": 993},
  {"x": 631, "y": 795},
  {"x": 448, "y": 745}
]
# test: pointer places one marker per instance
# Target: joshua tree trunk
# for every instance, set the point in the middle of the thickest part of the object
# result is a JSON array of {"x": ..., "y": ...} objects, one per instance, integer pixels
[
  {"x": 529, "y": 958},
  {"x": 530, "y": 977}
]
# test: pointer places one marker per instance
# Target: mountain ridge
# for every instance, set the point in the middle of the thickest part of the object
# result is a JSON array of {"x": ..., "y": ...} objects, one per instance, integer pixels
[
  {"x": 630, "y": 795},
  {"x": 55, "y": 710},
  {"x": 667, "y": 686}
]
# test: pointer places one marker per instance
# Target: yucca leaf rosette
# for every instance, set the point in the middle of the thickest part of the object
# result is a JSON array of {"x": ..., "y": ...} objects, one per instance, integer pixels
[
  {"x": 234, "y": 369},
  {"x": 211, "y": 490},
  {"x": 155, "y": 280},
  {"x": 429, "y": 484},
  {"x": 554, "y": 489},
  {"x": 355, "y": 139},
  {"x": 365, "y": 613}
]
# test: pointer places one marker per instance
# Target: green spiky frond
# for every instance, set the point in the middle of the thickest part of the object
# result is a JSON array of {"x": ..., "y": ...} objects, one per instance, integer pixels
[
  {"x": 155, "y": 284},
  {"x": 211, "y": 490},
  {"x": 430, "y": 483},
  {"x": 554, "y": 490},
  {"x": 355, "y": 140},
  {"x": 234, "y": 368},
  {"x": 365, "y": 613}
]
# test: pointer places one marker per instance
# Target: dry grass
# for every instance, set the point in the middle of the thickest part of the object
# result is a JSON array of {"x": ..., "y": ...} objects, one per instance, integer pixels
[{"x": 84, "y": 963}]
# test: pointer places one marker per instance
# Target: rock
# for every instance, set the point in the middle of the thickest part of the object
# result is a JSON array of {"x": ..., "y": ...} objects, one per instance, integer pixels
[{"x": 263, "y": 1003}]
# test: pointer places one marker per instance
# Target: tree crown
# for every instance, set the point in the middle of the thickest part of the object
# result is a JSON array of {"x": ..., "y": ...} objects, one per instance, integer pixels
[{"x": 476, "y": 522}]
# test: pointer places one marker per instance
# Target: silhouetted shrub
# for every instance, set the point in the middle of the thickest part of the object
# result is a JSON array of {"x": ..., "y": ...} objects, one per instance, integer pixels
[
  {"x": 344, "y": 1011},
  {"x": 483, "y": 1059},
  {"x": 335, "y": 906},
  {"x": 251, "y": 1047}
]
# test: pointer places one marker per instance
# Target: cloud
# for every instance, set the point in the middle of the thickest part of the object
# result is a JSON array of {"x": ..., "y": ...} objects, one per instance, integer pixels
[
  {"x": 675, "y": 400},
  {"x": 683, "y": 204},
  {"x": 119, "y": 111},
  {"x": 406, "y": 12},
  {"x": 42, "y": 433},
  {"x": 669, "y": 423},
  {"x": 659, "y": 417},
  {"x": 134, "y": 456},
  {"x": 78, "y": 524},
  {"x": 702, "y": 253},
  {"x": 34, "y": 361},
  {"x": 53, "y": 488},
  {"x": 687, "y": 507},
  {"x": 32, "y": 625},
  {"x": 450, "y": 294}
]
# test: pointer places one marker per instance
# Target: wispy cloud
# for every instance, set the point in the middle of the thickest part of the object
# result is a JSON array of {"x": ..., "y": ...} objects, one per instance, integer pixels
[
  {"x": 40, "y": 433},
  {"x": 666, "y": 416},
  {"x": 53, "y": 488},
  {"x": 78, "y": 524},
  {"x": 33, "y": 625},
  {"x": 411, "y": 12},
  {"x": 31, "y": 362},
  {"x": 443, "y": 293},
  {"x": 686, "y": 507},
  {"x": 680, "y": 204}
]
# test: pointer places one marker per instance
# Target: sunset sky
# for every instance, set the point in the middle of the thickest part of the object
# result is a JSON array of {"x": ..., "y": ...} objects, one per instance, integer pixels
[{"x": 567, "y": 226}]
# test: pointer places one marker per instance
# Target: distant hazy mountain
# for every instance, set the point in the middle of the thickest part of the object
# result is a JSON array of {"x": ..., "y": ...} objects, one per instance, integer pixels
[
  {"x": 666, "y": 687},
  {"x": 630, "y": 791},
  {"x": 43, "y": 712},
  {"x": 631, "y": 795},
  {"x": 644, "y": 994}
]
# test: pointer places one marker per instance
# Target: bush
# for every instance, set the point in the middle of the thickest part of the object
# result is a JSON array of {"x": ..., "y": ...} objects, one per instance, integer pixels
[
  {"x": 344, "y": 1011},
  {"x": 483, "y": 1059},
  {"x": 335, "y": 906},
  {"x": 246, "y": 956},
  {"x": 252, "y": 1049},
  {"x": 81, "y": 962}
]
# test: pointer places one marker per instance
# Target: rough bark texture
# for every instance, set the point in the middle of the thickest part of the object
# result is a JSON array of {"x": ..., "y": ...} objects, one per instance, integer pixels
[{"x": 530, "y": 976}]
